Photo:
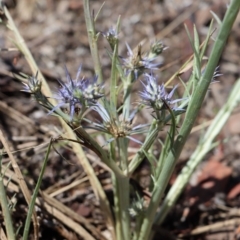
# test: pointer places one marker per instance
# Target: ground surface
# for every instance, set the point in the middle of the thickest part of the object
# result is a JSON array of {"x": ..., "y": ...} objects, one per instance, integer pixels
[{"x": 56, "y": 35}]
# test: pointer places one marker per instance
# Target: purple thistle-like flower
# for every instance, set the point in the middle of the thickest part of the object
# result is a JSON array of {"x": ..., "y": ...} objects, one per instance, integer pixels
[
  {"x": 137, "y": 63},
  {"x": 156, "y": 96},
  {"x": 77, "y": 95}
]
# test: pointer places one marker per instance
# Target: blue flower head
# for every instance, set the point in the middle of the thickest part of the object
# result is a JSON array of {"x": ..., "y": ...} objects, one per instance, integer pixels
[
  {"x": 137, "y": 62},
  {"x": 77, "y": 95},
  {"x": 156, "y": 96}
]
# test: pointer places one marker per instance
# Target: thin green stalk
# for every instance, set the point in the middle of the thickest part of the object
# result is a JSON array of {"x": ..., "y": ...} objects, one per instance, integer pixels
[
  {"x": 113, "y": 83},
  {"x": 127, "y": 87},
  {"x": 5, "y": 209},
  {"x": 123, "y": 154},
  {"x": 191, "y": 115},
  {"x": 35, "y": 193},
  {"x": 164, "y": 151},
  {"x": 118, "y": 229},
  {"x": 120, "y": 184},
  {"x": 151, "y": 137},
  {"x": 123, "y": 144},
  {"x": 139, "y": 219},
  {"x": 122, "y": 197},
  {"x": 205, "y": 43},
  {"x": 203, "y": 148},
  {"x": 114, "y": 72},
  {"x": 92, "y": 37},
  {"x": 122, "y": 191},
  {"x": 168, "y": 143}
]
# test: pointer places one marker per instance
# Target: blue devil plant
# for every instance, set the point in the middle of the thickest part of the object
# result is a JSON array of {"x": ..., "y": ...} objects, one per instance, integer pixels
[{"x": 80, "y": 97}]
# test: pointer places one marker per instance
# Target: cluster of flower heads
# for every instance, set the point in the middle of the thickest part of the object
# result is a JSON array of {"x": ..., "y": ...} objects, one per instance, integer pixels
[
  {"x": 137, "y": 61},
  {"x": 79, "y": 94}
]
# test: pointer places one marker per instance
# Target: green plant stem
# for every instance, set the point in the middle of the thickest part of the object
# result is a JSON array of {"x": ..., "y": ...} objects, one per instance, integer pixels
[
  {"x": 127, "y": 87},
  {"x": 113, "y": 83},
  {"x": 92, "y": 37},
  {"x": 114, "y": 73},
  {"x": 123, "y": 154},
  {"x": 122, "y": 193},
  {"x": 139, "y": 219},
  {"x": 191, "y": 115},
  {"x": 151, "y": 137},
  {"x": 5, "y": 210},
  {"x": 121, "y": 203},
  {"x": 168, "y": 142},
  {"x": 203, "y": 148},
  {"x": 35, "y": 193},
  {"x": 116, "y": 208}
]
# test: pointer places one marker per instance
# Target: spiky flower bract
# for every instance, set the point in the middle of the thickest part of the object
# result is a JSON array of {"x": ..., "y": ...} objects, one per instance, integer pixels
[
  {"x": 117, "y": 127},
  {"x": 76, "y": 95},
  {"x": 137, "y": 62},
  {"x": 33, "y": 85}
]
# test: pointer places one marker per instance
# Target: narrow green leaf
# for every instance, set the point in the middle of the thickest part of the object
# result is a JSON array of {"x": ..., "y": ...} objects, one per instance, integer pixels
[{"x": 216, "y": 18}]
